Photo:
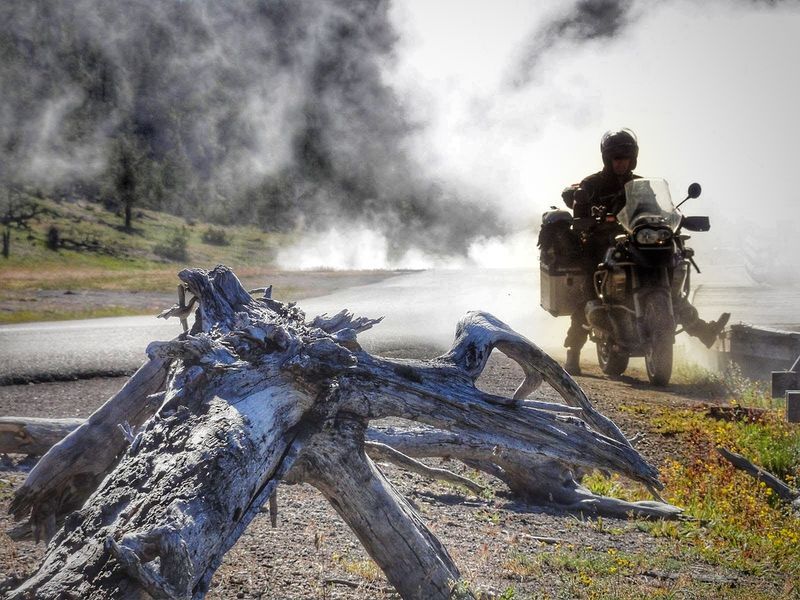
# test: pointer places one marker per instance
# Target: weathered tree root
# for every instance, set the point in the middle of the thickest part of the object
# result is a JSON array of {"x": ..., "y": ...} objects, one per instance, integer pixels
[
  {"x": 378, "y": 451},
  {"x": 255, "y": 395},
  {"x": 528, "y": 475}
]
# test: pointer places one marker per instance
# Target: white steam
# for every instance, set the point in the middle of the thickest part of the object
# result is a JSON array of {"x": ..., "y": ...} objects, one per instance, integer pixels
[
  {"x": 359, "y": 248},
  {"x": 711, "y": 89},
  {"x": 55, "y": 158}
]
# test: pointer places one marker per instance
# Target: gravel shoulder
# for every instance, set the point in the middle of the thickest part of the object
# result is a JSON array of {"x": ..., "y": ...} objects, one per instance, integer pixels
[{"x": 497, "y": 542}]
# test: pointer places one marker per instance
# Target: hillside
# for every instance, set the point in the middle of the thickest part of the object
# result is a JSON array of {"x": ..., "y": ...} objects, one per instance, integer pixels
[{"x": 99, "y": 269}]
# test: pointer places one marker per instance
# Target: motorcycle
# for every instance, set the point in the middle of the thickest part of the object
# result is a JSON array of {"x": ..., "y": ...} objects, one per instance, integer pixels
[{"x": 645, "y": 271}]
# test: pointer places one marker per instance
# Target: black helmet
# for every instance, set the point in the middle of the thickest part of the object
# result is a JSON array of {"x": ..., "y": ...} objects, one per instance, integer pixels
[{"x": 620, "y": 143}]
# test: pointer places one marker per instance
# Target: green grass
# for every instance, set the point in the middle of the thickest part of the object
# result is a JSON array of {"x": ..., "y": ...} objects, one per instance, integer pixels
[
  {"x": 28, "y": 316},
  {"x": 734, "y": 523},
  {"x": 615, "y": 486},
  {"x": 737, "y": 522},
  {"x": 84, "y": 222},
  {"x": 124, "y": 261}
]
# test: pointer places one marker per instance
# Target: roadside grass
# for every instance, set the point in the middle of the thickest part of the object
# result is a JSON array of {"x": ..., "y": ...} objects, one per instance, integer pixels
[
  {"x": 90, "y": 224},
  {"x": 28, "y": 316},
  {"x": 585, "y": 572},
  {"x": 748, "y": 392},
  {"x": 698, "y": 382},
  {"x": 145, "y": 259},
  {"x": 733, "y": 521},
  {"x": 120, "y": 259},
  {"x": 729, "y": 384}
]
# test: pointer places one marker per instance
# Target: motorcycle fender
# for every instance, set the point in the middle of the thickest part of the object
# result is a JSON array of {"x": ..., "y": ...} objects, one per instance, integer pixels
[
  {"x": 639, "y": 299},
  {"x": 640, "y": 295}
]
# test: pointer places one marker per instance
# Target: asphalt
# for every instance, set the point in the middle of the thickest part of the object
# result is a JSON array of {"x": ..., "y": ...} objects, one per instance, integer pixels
[{"x": 421, "y": 311}]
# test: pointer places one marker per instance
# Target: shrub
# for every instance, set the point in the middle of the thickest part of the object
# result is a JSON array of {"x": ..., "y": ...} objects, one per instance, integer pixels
[
  {"x": 175, "y": 246},
  {"x": 216, "y": 237}
]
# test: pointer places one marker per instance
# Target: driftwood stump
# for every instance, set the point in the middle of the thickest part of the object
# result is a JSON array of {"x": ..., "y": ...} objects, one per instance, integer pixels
[{"x": 254, "y": 395}]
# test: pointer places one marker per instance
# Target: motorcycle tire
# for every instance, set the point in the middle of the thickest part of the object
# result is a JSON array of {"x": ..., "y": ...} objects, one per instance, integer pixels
[
  {"x": 658, "y": 355},
  {"x": 612, "y": 362}
]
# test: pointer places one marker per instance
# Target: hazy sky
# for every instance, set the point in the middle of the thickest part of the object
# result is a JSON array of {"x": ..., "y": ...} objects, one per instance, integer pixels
[{"x": 513, "y": 97}]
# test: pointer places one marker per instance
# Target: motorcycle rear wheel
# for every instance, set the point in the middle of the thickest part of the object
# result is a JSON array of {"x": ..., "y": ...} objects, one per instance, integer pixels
[
  {"x": 658, "y": 355},
  {"x": 612, "y": 362}
]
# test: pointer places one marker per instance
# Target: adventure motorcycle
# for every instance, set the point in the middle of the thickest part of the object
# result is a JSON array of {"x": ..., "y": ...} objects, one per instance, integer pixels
[{"x": 630, "y": 297}]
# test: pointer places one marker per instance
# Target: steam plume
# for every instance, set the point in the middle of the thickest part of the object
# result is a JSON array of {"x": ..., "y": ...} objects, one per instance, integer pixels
[
  {"x": 587, "y": 20},
  {"x": 590, "y": 21},
  {"x": 270, "y": 112}
]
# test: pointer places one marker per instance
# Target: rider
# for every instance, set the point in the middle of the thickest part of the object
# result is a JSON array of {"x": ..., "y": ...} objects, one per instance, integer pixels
[{"x": 604, "y": 192}]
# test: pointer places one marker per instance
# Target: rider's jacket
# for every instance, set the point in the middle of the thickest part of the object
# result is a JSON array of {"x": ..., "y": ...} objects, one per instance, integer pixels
[
  {"x": 602, "y": 189},
  {"x": 598, "y": 195}
]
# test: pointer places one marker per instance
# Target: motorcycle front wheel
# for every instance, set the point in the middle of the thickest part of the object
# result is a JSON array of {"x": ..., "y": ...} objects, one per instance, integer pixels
[
  {"x": 658, "y": 355},
  {"x": 613, "y": 362}
]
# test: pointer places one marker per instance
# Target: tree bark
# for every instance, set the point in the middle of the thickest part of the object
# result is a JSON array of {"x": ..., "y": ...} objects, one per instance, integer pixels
[
  {"x": 70, "y": 471},
  {"x": 253, "y": 395},
  {"x": 33, "y": 436},
  {"x": 529, "y": 475},
  {"x": 414, "y": 561}
]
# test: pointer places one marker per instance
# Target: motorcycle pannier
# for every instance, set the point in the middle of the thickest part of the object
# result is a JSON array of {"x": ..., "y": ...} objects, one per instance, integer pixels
[
  {"x": 563, "y": 279},
  {"x": 562, "y": 290}
]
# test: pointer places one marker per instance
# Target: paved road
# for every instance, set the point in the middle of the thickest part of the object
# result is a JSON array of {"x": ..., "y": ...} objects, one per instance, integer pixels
[
  {"x": 420, "y": 309},
  {"x": 61, "y": 350}
]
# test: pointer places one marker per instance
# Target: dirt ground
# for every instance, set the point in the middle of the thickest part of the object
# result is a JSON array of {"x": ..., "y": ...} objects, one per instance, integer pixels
[{"x": 312, "y": 553}]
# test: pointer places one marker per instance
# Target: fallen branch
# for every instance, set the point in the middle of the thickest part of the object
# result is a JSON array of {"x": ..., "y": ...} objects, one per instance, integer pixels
[
  {"x": 29, "y": 435},
  {"x": 378, "y": 451},
  {"x": 254, "y": 395},
  {"x": 783, "y": 491},
  {"x": 72, "y": 469}
]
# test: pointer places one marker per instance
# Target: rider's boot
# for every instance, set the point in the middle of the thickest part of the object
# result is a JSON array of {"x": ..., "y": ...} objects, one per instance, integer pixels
[
  {"x": 573, "y": 363},
  {"x": 709, "y": 332}
]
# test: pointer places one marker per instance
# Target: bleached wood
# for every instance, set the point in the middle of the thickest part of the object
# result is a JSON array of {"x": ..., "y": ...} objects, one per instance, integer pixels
[
  {"x": 783, "y": 491},
  {"x": 411, "y": 557},
  {"x": 378, "y": 451},
  {"x": 29, "y": 435},
  {"x": 256, "y": 395},
  {"x": 70, "y": 471},
  {"x": 528, "y": 474}
]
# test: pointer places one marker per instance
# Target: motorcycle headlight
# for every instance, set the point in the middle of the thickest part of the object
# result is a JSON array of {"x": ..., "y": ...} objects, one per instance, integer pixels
[{"x": 647, "y": 236}]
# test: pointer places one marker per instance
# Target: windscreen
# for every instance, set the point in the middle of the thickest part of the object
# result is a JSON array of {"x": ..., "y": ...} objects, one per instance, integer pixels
[{"x": 647, "y": 201}]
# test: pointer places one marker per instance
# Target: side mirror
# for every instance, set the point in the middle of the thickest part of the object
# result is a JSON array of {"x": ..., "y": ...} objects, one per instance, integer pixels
[{"x": 693, "y": 192}]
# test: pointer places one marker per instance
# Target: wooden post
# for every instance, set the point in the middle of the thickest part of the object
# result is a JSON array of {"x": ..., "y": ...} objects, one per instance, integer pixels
[{"x": 793, "y": 406}]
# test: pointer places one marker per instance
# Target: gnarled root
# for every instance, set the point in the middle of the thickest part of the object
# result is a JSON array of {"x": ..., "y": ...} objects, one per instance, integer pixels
[{"x": 255, "y": 395}]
